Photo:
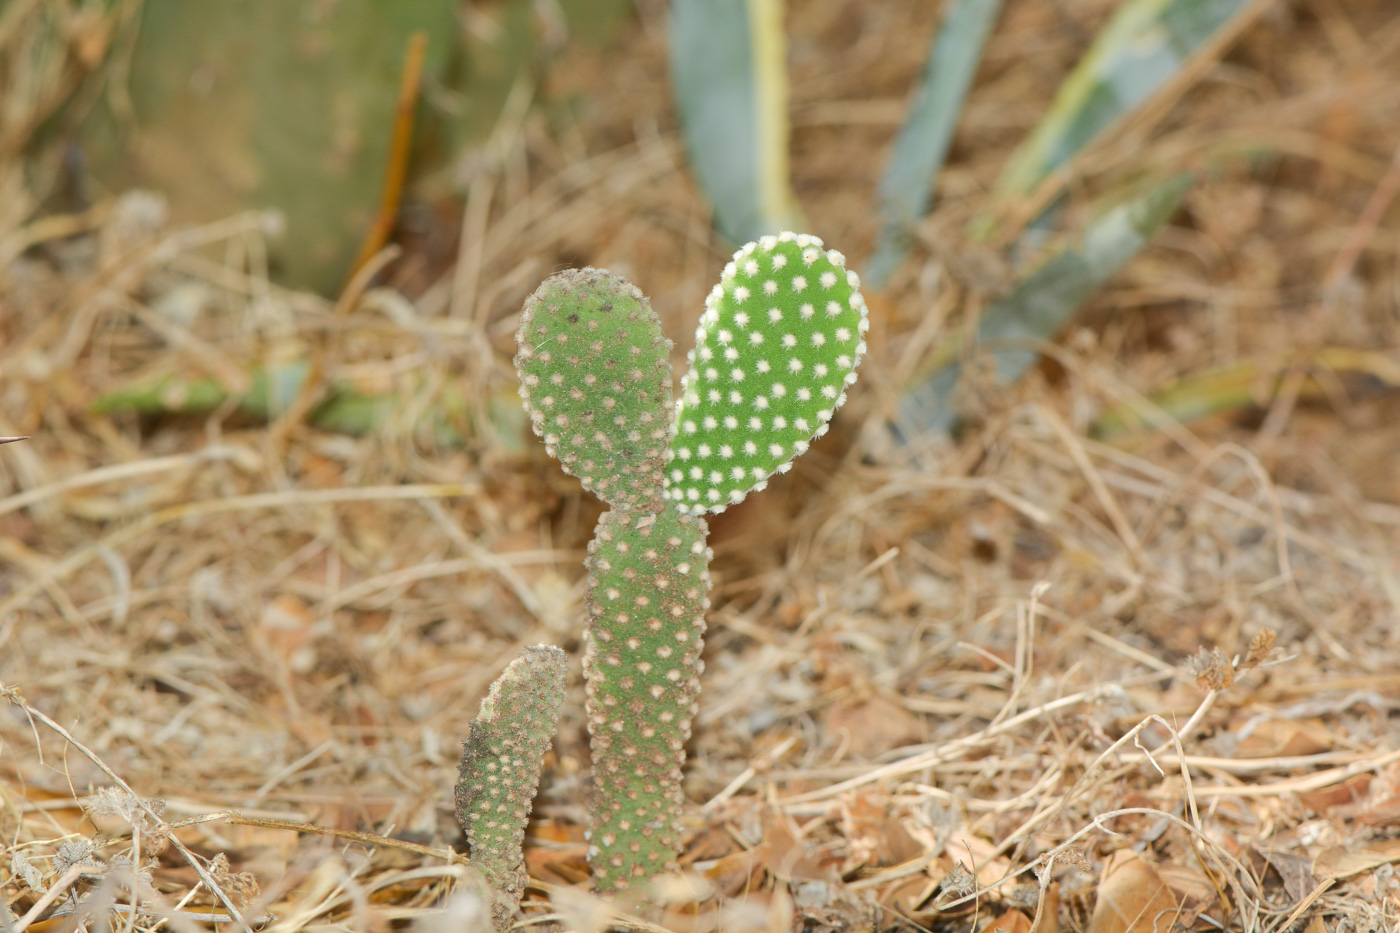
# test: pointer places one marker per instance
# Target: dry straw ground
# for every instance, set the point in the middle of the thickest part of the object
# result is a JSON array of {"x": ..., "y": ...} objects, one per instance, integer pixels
[{"x": 1019, "y": 680}]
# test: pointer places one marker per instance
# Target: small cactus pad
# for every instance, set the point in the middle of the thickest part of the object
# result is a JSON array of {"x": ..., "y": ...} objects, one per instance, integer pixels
[
  {"x": 500, "y": 770},
  {"x": 778, "y": 344},
  {"x": 595, "y": 374},
  {"x": 648, "y": 579}
]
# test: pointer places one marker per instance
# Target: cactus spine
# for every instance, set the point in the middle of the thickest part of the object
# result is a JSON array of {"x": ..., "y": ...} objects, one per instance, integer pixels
[
  {"x": 500, "y": 771},
  {"x": 777, "y": 347}
]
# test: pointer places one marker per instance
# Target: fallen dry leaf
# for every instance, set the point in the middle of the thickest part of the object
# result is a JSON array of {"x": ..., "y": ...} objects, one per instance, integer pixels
[
  {"x": 558, "y": 867},
  {"x": 875, "y": 834},
  {"x": 905, "y": 896},
  {"x": 1294, "y": 869},
  {"x": 738, "y": 872},
  {"x": 1337, "y": 862},
  {"x": 708, "y": 845},
  {"x": 1284, "y": 739},
  {"x": 1048, "y": 911},
  {"x": 1013, "y": 921},
  {"x": 1132, "y": 898},
  {"x": 1191, "y": 884},
  {"x": 975, "y": 852},
  {"x": 555, "y": 851},
  {"x": 788, "y": 857},
  {"x": 873, "y": 726},
  {"x": 1349, "y": 794}
]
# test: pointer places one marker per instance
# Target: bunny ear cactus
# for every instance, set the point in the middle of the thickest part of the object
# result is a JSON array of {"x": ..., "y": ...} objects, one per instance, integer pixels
[
  {"x": 777, "y": 347},
  {"x": 779, "y": 342},
  {"x": 500, "y": 770},
  {"x": 595, "y": 375}
]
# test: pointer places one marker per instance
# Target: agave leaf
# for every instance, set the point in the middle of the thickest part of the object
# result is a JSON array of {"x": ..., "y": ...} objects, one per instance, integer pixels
[
  {"x": 345, "y": 409},
  {"x": 167, "y": 395},
  {"x": 730, "y": 83},
  {"x": 1042, "y": 304},
  {"x": 1243, "y": 385},
  {"x": 275, "y": 389},
  {"x": 1145, "y": 45},
  {"x": 271, "y": 390},
  {"x": 919, "y": 152}
]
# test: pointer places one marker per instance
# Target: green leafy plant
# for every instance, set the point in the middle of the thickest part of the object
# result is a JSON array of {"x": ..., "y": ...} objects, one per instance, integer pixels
[
  {"x": 729, "y": 76},
  {"x": 777, "y": 346},
  {"x": 917, "y": 157},
  {"x": 500, "y": 771}
]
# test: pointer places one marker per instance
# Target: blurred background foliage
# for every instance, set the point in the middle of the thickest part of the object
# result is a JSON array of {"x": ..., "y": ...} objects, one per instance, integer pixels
[
  {"x": 359, "y": 122},
  {"x": 256, "y": 103},
  {"x": 290, "y": 106}
]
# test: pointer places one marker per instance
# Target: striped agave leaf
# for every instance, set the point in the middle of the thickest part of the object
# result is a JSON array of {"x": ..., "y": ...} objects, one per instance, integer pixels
[
  {"x": 729, "y": 78},
  {"x": 1042, "y": 304},
  {"x": 907, "y": 186},
  {"x": 1144, "y": 49}
]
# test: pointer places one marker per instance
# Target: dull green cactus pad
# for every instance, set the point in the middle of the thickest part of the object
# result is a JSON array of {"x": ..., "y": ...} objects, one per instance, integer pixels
[
  {"x": 595, "y": 375},
  {"x": 648, "y": 580},
  {"x": 500, "y": 770},
  {"x": 778, "y": 344}
]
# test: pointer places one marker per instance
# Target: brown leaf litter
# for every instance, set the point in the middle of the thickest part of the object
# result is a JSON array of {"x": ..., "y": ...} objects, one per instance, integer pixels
[{"x": 1023, "y": 680}]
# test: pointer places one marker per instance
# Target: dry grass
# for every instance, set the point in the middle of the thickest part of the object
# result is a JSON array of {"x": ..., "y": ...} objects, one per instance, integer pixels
[{"x": 1000, "y": 679}]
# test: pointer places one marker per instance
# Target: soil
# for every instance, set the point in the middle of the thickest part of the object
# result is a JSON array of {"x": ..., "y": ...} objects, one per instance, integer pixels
[{"x": 1025, "y": 678}]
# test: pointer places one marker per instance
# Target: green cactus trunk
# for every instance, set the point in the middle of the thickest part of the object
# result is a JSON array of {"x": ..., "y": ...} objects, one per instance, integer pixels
[{"x": 647, "y": 595}]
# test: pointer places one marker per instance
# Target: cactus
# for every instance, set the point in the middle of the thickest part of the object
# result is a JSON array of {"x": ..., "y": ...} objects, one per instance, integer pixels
[
  {"x": 779, "y": 342},
  {"x": 500, "y": 771},
  {"x": 778, "y": 345},
  {"x": 647, "y": 583},
  {"x": 595, "y": 376}
]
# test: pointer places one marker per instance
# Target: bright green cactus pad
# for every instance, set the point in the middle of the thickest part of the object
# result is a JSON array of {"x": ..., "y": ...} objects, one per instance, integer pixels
[
  {"x": 648, "y": 579},
  {"x": 595, "y": 374},
  {"x": 778, "y": 344}
]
